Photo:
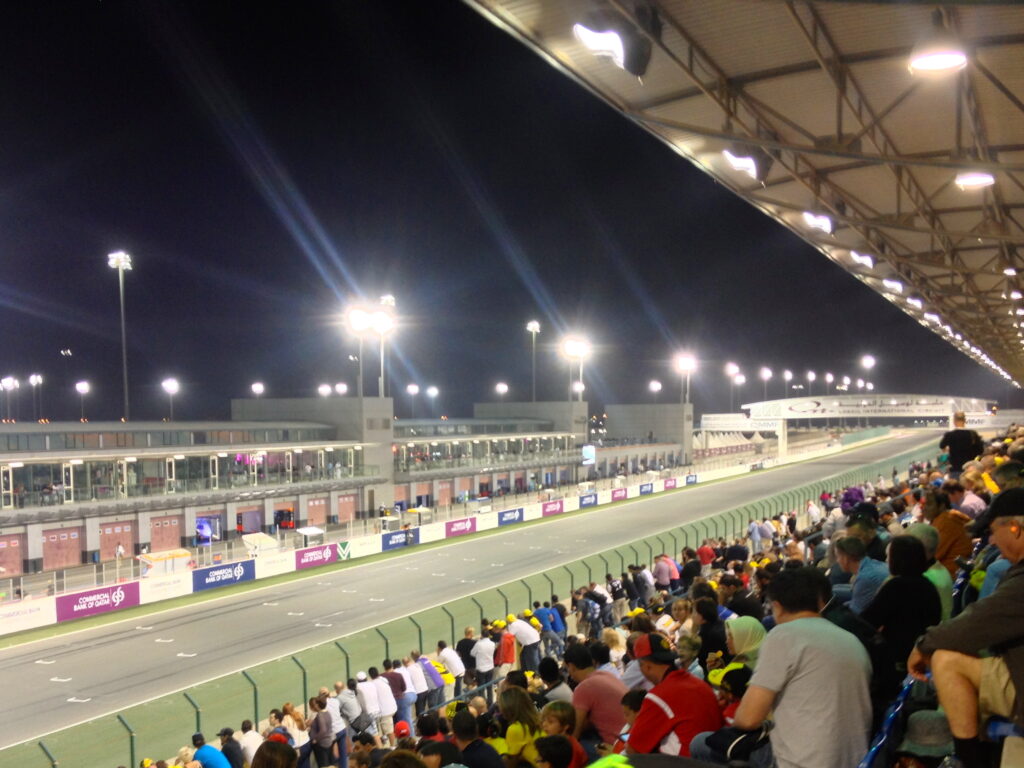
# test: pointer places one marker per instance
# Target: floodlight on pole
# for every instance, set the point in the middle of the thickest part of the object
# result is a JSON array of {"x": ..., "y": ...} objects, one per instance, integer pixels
[
  {"x": 686, "y": 364},
  {"x": 412, "y": 390},
  {"x": 578, "y": 387},
  {"x": 324, "y": 390},
  {"x": 258, "y": 389},
  {"x": 655, "y": 387},
  {"x": 378, "y": 320},
  {"x": 432, "y": 391},
  {"x": 36, "y": 381},
  {"x": 731, "y": 372},
  {"x": 82, "y": 388},
  {"x": 122, "y": 262},
  {"x": 501, "y": 388},
  {"x": 765, "y": 375},
  {"x": 811, "y": 378},
  {"x": 787, "y": 376},
  {"x": 575, "y": 348},
  {"x": 867, "y": 362},
  {"x": 171, "y": 387},
  {"x": 341, "y": 388},
  {"x": 533, "y": 328}
]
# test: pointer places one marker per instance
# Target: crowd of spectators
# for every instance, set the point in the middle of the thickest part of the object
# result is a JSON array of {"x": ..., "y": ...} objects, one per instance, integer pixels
[{"x": 781, "y": 648}]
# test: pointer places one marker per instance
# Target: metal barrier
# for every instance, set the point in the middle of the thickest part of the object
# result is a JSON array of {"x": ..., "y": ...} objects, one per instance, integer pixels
[{"x": 159, "y": 727}]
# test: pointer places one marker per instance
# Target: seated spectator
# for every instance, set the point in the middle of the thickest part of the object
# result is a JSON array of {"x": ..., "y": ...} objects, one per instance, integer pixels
[
  {"x": 972, "y": 688},
  {"x": 676, "y": 709},
  {"x": 730, "y": 690},
  {"x": 632, "y": 701},
  {"x": 809, "y": 671},
  {"x": 559, "y": 719},
  {"x": 687, "y": 649},
  {"x": 438, "y": 754},
  {"x": 523, "y": 728},
  {"x": 595, "y": 699},
  {"x": 555, "y": 687},
  {"x": 402, "y": 758},
  {"x": 865, "y": 529},
  {"x": 852, "y": 557},
  {"x": 738, "y": 599},
  {"x": 711, "y": 631},
  {"x": 230, "y": 748},
  {"x": 366, "y": 744},
  {"x": 953, "y": 539},
  {"x": 935, "y": 573},
  {"x": 963, "y": 500},
  {"x": 907, "y": 604},
  {"x": 743, "y": 638},
  {"x": 554, "y": 752},
  {"x": 475, "y": 752}
]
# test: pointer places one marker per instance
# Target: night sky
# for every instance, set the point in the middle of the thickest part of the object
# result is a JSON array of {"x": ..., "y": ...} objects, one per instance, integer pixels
[{"x": 264, "y": 163}]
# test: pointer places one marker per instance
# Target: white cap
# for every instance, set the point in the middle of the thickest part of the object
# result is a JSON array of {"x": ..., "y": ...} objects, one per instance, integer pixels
[{"x": 360, "y": 676}]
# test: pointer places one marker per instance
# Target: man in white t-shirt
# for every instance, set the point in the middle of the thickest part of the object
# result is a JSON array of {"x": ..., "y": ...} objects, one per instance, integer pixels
[
  {"x": 368, "y": 700},
  {"x": 250, "y": 741},
  {"x": 808, "y": 671},
  {"x": 451, "y": 659},
  {"x": 483, "y": 655},
  {"x": 529, "y": 638},
  {"x": 388, "y": 706},
  {"x": 419, "y": 683}
]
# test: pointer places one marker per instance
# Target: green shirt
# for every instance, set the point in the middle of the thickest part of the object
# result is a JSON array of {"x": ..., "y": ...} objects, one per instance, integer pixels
[{"x": 939, "y": 576}]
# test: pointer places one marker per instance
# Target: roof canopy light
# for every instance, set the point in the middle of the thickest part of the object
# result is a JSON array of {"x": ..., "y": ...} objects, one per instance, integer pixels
[
  {"x": 814, "y": 221},
  {"x": 893, "y": 285},
  {"x": 915, "y": 303},
  {"x": 610, "y": 35},
  {"x": 863, "y": 259},
  {"x": 970, "y": 180},
  {"x": 939, "y": 52}
]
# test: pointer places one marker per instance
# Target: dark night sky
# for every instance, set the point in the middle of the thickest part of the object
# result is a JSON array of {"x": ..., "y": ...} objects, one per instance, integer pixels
[{"x": 262, "y": 162}]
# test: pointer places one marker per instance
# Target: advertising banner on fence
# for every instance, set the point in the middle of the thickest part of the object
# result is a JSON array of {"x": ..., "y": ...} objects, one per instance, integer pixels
[
  {"x": 691, "y": 479},
  {"x": 510, "y": 516},
  {"x": 588, "y": 500},
  {"x": 399, "y": 539},
  {"x": 310, "y": 557},
  {"x": 222, "y": 575},
  {"x": 157, "y": 588},
  {"x": 646, "y": 488},
  {"x": 28, "y": 614},
  {"x": 459, "y": 527},
  {"x": 551, "y": 508},
  {"x": 618, "y": 494},
  {"x": 670, "y": 482},
  {"x": 94, "y": 601}
]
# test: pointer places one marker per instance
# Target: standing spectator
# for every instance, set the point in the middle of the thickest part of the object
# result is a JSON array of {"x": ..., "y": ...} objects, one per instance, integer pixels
[
  {"x": 529, "y": 639},
  {"x": 676, "y": 709},
  {"x": 547, "y": 616},
  {"x": 963, "y": 444},
  {"x": 953, "y": 539},
  {"x": 321, "y": 733},
  {"x": 620, "y": 601},
  {"x": 348, "y": 703},
  {"x": 453, "y": 661},
  {"x": 250, "y": 741},
  {"x": 505, "y": 656},
  {"x": 369, "y": 701},
  {"x": 907, "y": 604},
  {"x": 401, "y": 689},
  {"x": 563, "y": 615},
  {"x": 691, "y": 568},
  {"x": 662, "y": 573},
  {"x": 647, "y": 578},
  {"x": 706, "y": 555},
  {"x": 754, "y": 534},
  {"x": 388, "y": 706},
  {"x": 295, "y": 724},
  {"x": 464, "y": 648},
  {"x": 596, "y": 699},
  {"x": 483, "y": 656},
  {"x": 809, "y": 671},
  {"x": 419, "y": 683},
  {"x": 972, "y": 688},
  {"x": 230, "y": 748},
  {"x": 435, "y": 683},
  {"x": 333, "y": 709},
  {"x": 207, "y": 756}
]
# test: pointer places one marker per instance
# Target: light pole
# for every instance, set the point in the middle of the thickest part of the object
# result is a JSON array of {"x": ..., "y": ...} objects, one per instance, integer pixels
[
  {"x": 739, "y": 380},
  {"x": 731, "y": 372},
  {"x": 82, "y": 387},
  {"x": 8, "y": 383},
  {"x": 324, "y": 390},
  {"x": 575, "y": 348},
  {"x": 122, "y": 262},
  {"x": 686, "y": 364},
  {"x": 502, "y": 389},
  {"x": 533, "y": 327},
  {"x": 258, "y": 389},
  {"x": 787, "y": 376},
  {"x": 379, "y": 320},
  {"x": 36, "y": 380},
  {"x": 412, "y": 390},
  {"x": 341, "y": 388},
  {"x": 655, "y": 387},
  {"x": 766, "y": 374},
  {"x": 829, "y": 378},
  {"x": 171, "y": 387},
  {"x": 432, "y": 392},
  {"x": 811, "y": 378}
]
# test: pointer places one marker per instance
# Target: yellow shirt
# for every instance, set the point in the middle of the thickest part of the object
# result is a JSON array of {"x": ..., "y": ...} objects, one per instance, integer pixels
[{"x": 520, "y": 742}]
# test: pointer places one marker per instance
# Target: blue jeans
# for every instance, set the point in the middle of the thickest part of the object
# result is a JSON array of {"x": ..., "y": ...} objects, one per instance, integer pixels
[
  {"x": 340, "y": 739},
  {"x": 405, "y": 704},
  {"x": 553, "y": 645},
  {"x": 699, "y": 750},
  {"x": 530, "y": 658}
]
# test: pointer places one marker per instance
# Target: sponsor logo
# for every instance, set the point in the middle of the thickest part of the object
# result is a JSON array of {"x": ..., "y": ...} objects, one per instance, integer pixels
[
  {"x": 510, "y": 516},
  {"x": 551, "y": 508},
  {"x": 117, "y": 597},
  {"x": 670, "y": 482},
  {"x": 220, "y": 575},
  {"x": 588, "y": 500},
  {"x": 343, "y": 549},
  {"x": 96, "y": 601},
  {"x": 313, "y": 556},
  {"x": 646, "y": 488},
  {"x": 618, "y": 494},
  {"x": 396, "y": 539},
  {"x": 460, "y": 527},
  {"x": 691, "y": 479}
]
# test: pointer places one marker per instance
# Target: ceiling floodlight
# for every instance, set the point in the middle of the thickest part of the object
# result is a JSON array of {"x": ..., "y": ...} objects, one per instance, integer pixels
[
  {"x": 746, "y": 164},
  {"x": 1015, "y": 295},
  {"x": 971, "y": 180},
  {"x": 863, "y": 259},
  {"x": 893, "y": 285},
  {"x": 814, "y": 221},
  {"x": 915, "y": 303},
  {"x": 1010, "y": 272},
  {"x": 610, "y": 35},
  {"x": 931, "y": 317},
  {"x": 939, "y": 51}
]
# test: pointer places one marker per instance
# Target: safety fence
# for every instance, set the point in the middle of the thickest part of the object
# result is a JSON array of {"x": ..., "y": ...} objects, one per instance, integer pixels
[{"x": 160, "y": 727}]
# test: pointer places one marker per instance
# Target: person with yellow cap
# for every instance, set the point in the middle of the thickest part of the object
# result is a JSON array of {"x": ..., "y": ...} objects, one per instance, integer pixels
[{"x": 529, "y": 639}]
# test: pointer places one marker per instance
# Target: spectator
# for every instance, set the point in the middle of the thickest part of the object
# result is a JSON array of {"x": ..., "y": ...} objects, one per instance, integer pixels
[
  {"x": 935, "y": 573},
  {"x": 706, "y": 555},
  {"x": 969, "y": 686},
  {"x": 852, "y": 557},
  {"x": 554, "y": 752},
  {"x": 402, "y": 758},
  {"x": 483, "y": 658},
  {"x": 595, "y": 699},
  {"x": 676, "y": 709},
  {"x": 321, "y": 733},
  {"x": 295, "y": 724},
  {"x": 864, "y": 528},
  {"x": 963, "y": 444},
  {"x": 437, "y": 754},
  {"x": 451, "y": 659},
  {"x": 964, "y": 500},
  {"x": 250, "y": 741},
  {"x": 388, "y": 706},
  {"x": 419, "y": 683},
  {"x": 632, "y": 677},
  {"x": 559, "y": 719},
  {"x": 809, "y": 671},
  {"x": 369, "y": 701},
  {"x": 555, "y": 688},
  {"x": 401, "y": 688},
  {"x": 529, "y": 639},
  {"x": 737, "y": 598},
  {"x": 274, "y": 754},
  {"x": 551, "y": 640},
  {"x": 475, "y": 752},
  {"x": 743, "y": 637},
  {"x": 518, "y": 711},
  {"x": 207, "y": 756},
  {"x": 230, "y": 748},
  {"x": 711, "y": 630},
  {"x": 620, "y": 602},
  {"x": 365, "y": 746},
  {"x": 953, "y": 539}
]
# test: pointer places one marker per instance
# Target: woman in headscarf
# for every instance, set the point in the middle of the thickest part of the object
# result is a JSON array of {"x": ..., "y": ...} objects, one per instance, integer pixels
[{"x": 744, "y": 636}]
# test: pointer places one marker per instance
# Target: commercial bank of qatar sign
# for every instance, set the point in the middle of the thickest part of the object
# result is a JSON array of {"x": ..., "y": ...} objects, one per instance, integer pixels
[
  {"x": 549, "y": 508},
  {"x": 510, "y": 516},
  {"x": 310, "y": 557},
  {"x": 96, "y": 601},
  {"x": 222, "y": 575},
  {"x": 459, "y": 527}
]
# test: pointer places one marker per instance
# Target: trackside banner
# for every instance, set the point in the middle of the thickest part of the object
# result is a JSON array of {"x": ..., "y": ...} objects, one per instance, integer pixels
[
  {"x": 94, "y": 601},
  {"x": 222, "y": 575},
  {"x": 310, "y": 557},
  {"x": 618, "y": 494},
  {"x": 552, "y": 508},
  {"x": 646, "y": 488},
  {"x": 588, "y": 500},
  {"x": 398, "y": 539},
  {"x": 459, "y": 527},
  {"x": 670, "y": 482},
  {"x": 510, "y": 516}
]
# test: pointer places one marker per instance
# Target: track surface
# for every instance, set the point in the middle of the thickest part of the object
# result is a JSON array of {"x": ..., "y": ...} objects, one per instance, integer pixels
[{"x": 105, "y": 669}]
